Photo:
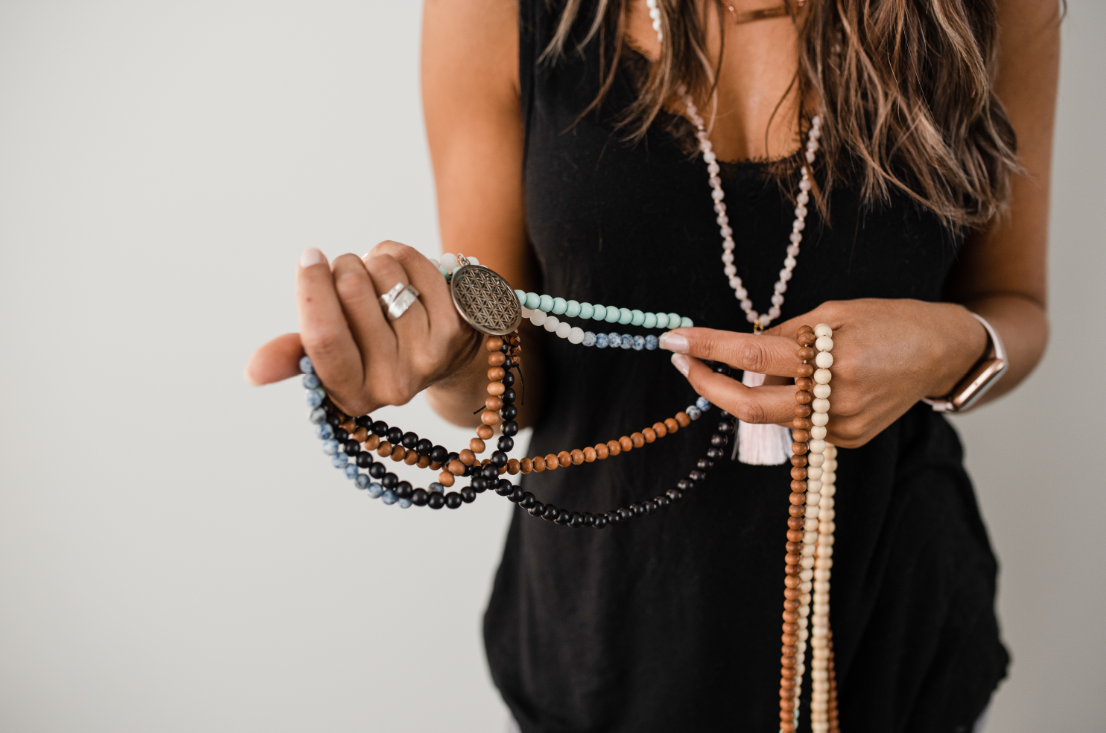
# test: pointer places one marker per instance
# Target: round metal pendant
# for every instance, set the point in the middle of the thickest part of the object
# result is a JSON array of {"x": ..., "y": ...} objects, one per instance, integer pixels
[{"x": 485, "y": 300}]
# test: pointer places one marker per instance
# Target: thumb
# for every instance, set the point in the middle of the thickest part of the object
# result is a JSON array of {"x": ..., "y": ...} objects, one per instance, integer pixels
[{"x": 279, "y": 359}]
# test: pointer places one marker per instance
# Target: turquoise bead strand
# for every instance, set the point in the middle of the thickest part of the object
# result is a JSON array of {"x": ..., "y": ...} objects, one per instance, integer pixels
[{"x": 608, "y": 314}]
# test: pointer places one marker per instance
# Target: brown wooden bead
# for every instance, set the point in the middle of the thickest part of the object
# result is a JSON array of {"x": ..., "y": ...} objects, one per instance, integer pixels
[
  {"x": 793, "y": 546},
  {"x": 349, "y": 426},
  {"x": 423, "y": 462},
  {"x": 794, "y": 535},
  {"x": 791, "y": 605},
  {"x": 802, "y": 423},
  {"x": 798, "y": 486},
  {"x": 660, "y": 429},
  {"x": 795, "y": 510},
  {"x": 513, "y": 466},
  {"x": 455, "y": 467},
  {"x": 493, "y": 343},
  {"x": 800, "y": 436},
  {"x": 485, "y": 432},
  {"x": 805, "y": 329},
  {"x": 488, "y": 417},
  {"x": 496, "y": 374},
  {"x": 791, "y": 593},
  {"x": 602, "y": 451},
  {"x": 495, "y": 404},
  {"x": 552, "y": 463},
  {"x": 497, "y": 358},
  {"x": 445, "y": 478},
  {"x": 804, "y": 383},
  {"x": 793, "y": 523},
  {"x": 806, "y": 338},
  {"x": 476, "y": 445},
  {"x": 539, "y": 463},
  {"x": 398, "y": 453},
  {"x": 788, "y": 659},
  {"x": 434, "y": 466},
  {"x": 371, "y": 442},
  {"x": 496, "y": 388},
  {"x": 637, "y": 439},
  {"x": 577, "y": 457},
  {"x": 626, "y": 444},
  {"x": 526, "y": 465},
  {"x": 787, "y": 673},
  {"x": 564, "y": 459},
  {"x": 789, "y": 639},
  {"x": 649, "y": 434},
  {"x": 682, "y": 419},
  {"x": 803, "y": 410},
  {"x": 792, "y": 558},
  {"x": 467, "y": 457},
  {"x": 796, "y": 497},
  {"x": 412, "y": 458},
  {"x": 804, "y": 370},
  {"x": 590, "y": 454},
  {"x": 671, "y": 424},
  {"x": 804, "y": 398},
  {"x": 798, "y": 460},
  {"x": 614, "y": 447},
  {"x": 791, "y": 570},
  {"x": 791, "y": 616},
  {"x": 797, "y": 472},
  {"x": 384, "y": 449},
  {"x": 807, "y": 353},
  {"x": 360, "y": 435},
  {"x": 787, "y": 683},
  {"x": 799, "y": 449}
]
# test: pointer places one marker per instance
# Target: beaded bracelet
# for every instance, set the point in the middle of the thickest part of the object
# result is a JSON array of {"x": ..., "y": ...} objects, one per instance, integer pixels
[{"x": 810, "y": 541}]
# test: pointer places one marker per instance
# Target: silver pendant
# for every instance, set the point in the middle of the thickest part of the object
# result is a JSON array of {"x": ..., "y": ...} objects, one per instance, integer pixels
[{"x": 485, "y": 300}]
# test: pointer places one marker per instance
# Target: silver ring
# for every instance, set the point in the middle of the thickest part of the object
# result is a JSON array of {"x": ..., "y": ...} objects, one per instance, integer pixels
[
  {"x": 401, "y": 302},
  {"x": 391, "y": 295}
]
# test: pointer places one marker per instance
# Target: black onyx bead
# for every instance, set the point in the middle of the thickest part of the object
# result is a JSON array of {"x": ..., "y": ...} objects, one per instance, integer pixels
[
  {"x": 726, "y": 415},
  {"x": 508, "y": 363},
  {"x": 550, "y": 512},
  {"x": 453, "y": 500},
  {"x": 334, "y": 419},
  {"x": 535, "y": 509},
  {"x": 675, "y": 494},
  {"x": 435, "y": 500},
  {"x": 575, "y": 520},
  {"x": 725, "y": 427},
  {"x": 438, "y": 454},
  {"x": 721, "y": 369},
  {"x": 364, "y": 460},
  {"x": 483, "y": 487},
  {"x": 499, "y": 458},
  {"x": 508, "y": 396},
  {"x": 364, "y": 421},
  {"x": 637, "y": 510},
  {"x": 474, "y": 470},
  {"x": 508, "y": 380},
  {"x": 506, "y": 444},
  {"x": 377, "y": 470},
  {"x": 404, "y": 490},
  {"x": 468, "y": 495},
  {"x": 510, "y": 428},
  {"x": 341, "y": 435},
  {"x": 419, "y": 497},
  {"x": 613, "y": 517},
  {"x": 389, "y": 480},
  {"x": 715, "y": 454},
  {"x": 394, "y": 436},
  {"x": 625, "y": 514},
  {"x": 527, "y": 501},
  {"x": 685, "y": 484},
  {"x": 704, "y": 464},
  {"x": 589, "y": 519},
  {"x": 719, "y": 440},
  {"x": 479, "y": 484},
  {"x": 564, "y": 517},
  {"x": 515, "y": 495},
  {"x": 409, "y": 441},
  {"x": 490, "y": 472},
  {"x": 600, "y": 522},
  {"x": 648, "y": 507},
  {"x": 697, "y": 475},
  {"x": 352, "y": 447},
  {"x": 379, "y": 428},
  {"x": 423, "y": 447},
  {"x": 661, "y": 501},
  {"x": 451, "y": 457},
  {"x": 509, "y": 412},
  {"x": 504, "y": 487}
]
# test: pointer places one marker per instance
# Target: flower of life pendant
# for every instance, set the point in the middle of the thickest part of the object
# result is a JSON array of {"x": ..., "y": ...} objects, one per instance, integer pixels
[{"x": 484, "y": 299}]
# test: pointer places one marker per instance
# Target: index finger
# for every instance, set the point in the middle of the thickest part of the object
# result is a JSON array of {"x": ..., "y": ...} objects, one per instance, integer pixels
[
  {"x": 323, "y": 328},
  {"x": 762, "y": 354}
]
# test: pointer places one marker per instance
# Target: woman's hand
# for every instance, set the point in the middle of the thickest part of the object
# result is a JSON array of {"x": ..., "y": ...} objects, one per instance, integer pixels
[
  {"x": 887, "y": 355},
  {"x": 365, "y": 360}
]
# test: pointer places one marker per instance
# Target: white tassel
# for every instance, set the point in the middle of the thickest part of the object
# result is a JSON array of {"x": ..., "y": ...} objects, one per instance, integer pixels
[{"x": 761, "y": 445}]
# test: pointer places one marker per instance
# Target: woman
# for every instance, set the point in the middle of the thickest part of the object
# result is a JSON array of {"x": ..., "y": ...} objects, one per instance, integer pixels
[{"x": 565, "y": 160}]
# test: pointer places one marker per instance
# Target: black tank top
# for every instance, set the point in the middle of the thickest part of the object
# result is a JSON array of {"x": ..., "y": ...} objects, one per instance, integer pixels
[{"x": 671, "y": 622}]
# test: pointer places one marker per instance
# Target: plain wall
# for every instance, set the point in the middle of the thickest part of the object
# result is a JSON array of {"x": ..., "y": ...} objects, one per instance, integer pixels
[{"x": 176, "y": 555}]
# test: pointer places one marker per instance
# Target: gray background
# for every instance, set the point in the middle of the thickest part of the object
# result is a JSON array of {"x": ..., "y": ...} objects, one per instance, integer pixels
[{"x": 175, "y": 554}]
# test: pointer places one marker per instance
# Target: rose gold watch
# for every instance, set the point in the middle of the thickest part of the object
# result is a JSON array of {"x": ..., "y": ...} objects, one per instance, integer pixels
[{"x": 979, "y": 379}]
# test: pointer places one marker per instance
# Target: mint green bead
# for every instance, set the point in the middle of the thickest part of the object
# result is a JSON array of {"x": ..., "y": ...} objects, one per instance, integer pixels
[
  {"x": 559, "y": 306},
  {"x": 445, "y": 272},
  {"x": 686, "y": 323},
  {"x": 673, "y": 320},
  {"x": 600, "y": 312},
  {"x": 637, "y": 317},
  {"x": 572, "y": 309},
  {"x": 587, "y": 310},
  {"x": 662, "y": 320},
  {"x": 521, "y": 295},
  {"x": 454, "y": 270},
  {"x": 532, "y": 300},
  {"x": 546, "y": 303},
  {"x": 625, "y": 316},
  {"x": 612, "y": 315},
  {"x": 650, "y": 320}
]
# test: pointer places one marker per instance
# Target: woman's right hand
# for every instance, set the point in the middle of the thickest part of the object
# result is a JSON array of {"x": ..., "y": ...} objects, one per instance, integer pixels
[{"x": 364, "y": 360}]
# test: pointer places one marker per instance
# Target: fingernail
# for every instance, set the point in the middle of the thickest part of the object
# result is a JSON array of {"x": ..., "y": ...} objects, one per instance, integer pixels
[
  {"x": 680, "y": 362},
  {"x": 311, "y": 256},
  {"x": 673, "y": 342}
]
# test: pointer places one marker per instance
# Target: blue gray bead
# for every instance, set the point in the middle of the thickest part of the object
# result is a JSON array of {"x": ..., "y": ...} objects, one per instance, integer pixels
[
  {"x": 339, "y": 460},
  {"x": 310, "y": 381},
  {"x": 651, "y": 342},
  {"x": 351, "y": 471},
  {"x": 614, "y": 340},
  {"x": 317, "y": 416},
  {"x": 362, "y": 481},
  {"x": 436, "y": 488},
  {"x": 627, "y": 341},
  {"x": 325, "y": 432},
  {"x": 306, "y": 366},
  {"x": 589, "y": 338},
  {"x": 639, "y": 343},
  {"x": 313, "y": 398},
  {"x": 330, "y": 447},
  {"x": 703, "y": 404},
  {"x": 404, "y": 503},
  {"x": 693, "y": 412},
  {"x": 388, "y": 497},
  {"x": 375, "y": 490},
  {"x": 601, "y": 341}
]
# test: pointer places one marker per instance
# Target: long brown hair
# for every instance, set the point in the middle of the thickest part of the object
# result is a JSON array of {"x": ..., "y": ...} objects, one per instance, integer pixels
[{"x": 907, "y": 88}]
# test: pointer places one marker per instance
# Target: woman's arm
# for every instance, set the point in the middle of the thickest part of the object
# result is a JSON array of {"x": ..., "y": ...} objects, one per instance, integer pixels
[{"x": 470, "y": 92}]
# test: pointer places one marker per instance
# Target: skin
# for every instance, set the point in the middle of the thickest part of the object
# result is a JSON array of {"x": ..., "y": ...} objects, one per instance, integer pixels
[{"x": 888, "y": 353}]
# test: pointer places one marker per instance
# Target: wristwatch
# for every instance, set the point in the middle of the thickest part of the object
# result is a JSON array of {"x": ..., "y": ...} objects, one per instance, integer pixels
[{"x": 980, "y": 378}]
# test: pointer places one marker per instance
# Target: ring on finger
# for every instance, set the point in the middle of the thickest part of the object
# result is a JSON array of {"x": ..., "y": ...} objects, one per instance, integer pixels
[
  {"x": 399, "y": 304},
  {"x": 389, "y": 297}
]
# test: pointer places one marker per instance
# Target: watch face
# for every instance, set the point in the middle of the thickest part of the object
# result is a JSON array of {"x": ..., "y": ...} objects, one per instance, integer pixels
[{"x": 983, "y": 377}]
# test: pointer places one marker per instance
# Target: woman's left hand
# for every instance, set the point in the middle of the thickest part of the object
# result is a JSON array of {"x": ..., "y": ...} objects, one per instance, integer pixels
[{"x": 887, "y": 355}]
